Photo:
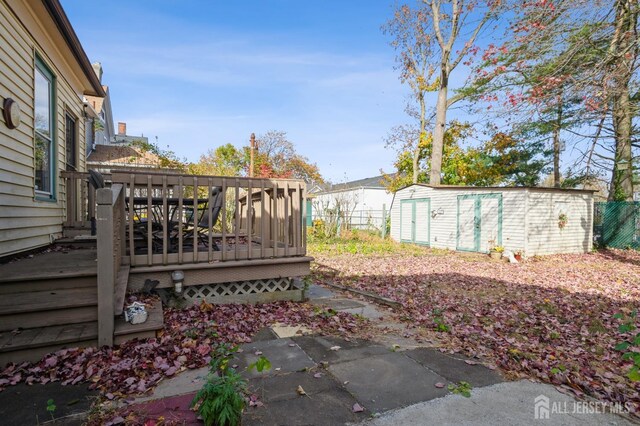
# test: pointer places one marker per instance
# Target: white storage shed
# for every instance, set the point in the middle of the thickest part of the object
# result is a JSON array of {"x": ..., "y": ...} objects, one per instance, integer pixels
[{"x": 534, "y": 221}]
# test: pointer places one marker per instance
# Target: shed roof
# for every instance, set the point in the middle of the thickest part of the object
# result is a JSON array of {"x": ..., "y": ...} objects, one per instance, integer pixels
[{"x": 499, "y": 188}]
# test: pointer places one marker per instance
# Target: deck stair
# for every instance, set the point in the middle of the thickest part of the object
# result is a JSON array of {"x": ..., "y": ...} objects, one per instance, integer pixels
[{"x": 50, "y": 301}]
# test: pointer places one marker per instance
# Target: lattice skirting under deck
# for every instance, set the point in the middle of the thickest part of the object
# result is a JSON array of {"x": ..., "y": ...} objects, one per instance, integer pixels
[{"x": 210, "y": 292}]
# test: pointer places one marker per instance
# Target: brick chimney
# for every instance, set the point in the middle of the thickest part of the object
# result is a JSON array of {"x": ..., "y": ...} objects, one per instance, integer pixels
[
  {"x": 122, "y": 129},
  {"x": 97, "y": 68}
]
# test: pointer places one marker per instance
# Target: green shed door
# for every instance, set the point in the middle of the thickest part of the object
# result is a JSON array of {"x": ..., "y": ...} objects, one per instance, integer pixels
[
  {"x": 479, "y": 221},
  {"x": 415, "y": 221},
  {"x": 468, "y": 224}
]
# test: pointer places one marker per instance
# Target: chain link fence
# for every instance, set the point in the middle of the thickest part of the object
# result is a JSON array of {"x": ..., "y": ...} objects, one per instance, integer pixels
[{"x": 616, "y": 224}]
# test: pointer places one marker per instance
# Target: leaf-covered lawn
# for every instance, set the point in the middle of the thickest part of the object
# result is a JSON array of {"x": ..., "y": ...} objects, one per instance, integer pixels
[
  {"x": 185, "y": 343},
  {"x": 550, "y": 318}
]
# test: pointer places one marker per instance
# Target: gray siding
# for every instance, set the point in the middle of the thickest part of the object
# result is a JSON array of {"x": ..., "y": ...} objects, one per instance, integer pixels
[{"x": 25, "y": 222}]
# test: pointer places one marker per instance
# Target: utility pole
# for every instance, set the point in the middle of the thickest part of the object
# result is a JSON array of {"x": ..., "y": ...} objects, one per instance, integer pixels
[{"x": 251, "y": 149}]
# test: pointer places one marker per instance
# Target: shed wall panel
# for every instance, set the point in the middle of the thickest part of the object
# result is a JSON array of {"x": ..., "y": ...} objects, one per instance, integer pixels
[
  {"x": 529, "y": 218},
  {"x": 545, "y": 236}
]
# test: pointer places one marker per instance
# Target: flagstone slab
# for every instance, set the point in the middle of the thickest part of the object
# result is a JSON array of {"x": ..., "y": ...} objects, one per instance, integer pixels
[{"x": 389, "y": 381}]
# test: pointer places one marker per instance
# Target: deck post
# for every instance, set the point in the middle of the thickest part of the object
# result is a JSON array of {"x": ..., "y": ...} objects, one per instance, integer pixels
[{"x": 106, "y": 266}]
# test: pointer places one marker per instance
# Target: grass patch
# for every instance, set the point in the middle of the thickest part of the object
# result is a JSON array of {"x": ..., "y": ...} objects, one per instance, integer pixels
[{"x": 360, "y": 242}]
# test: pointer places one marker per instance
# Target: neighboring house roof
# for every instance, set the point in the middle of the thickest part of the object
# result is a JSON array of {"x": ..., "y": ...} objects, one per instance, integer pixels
[
  {"x": 370, "y": 183},
  {"x": 66, "y": 30},
  {"x": 122, "y": 156},
  {"x": 127, "y": 139}
]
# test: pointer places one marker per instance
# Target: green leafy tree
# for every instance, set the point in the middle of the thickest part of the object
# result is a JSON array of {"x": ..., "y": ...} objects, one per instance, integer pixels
[
  {"x": 501, "y": 160},
  {"x": 225, "y": 160}
]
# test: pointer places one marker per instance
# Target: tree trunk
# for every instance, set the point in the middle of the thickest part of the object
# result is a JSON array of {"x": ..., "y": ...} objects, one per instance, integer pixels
[
  {"x": 556, "y": 146},
  {"x": 622, "y": 177},
  {"x": 416, "y": 162},
  {"x": 438, "y": 132},
  {"x": 421, "y": 136},
  {"x": 621, "y": 188}
]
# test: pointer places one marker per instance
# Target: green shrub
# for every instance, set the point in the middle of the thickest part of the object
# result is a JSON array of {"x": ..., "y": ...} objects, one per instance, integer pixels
[{"x": 222, "y": 398}]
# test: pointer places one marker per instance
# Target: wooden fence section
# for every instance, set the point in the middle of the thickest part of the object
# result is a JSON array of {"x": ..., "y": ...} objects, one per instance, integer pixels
[
  {"x": 185, "y": 219},
  {"x": 111, "y": 236}
]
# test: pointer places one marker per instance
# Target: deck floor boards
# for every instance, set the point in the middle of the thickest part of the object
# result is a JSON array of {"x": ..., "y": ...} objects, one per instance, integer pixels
[
  {"x": 14, "y": 303},
  {"x": 55, "y": 264},
  {"x": 46, "y": 336}
]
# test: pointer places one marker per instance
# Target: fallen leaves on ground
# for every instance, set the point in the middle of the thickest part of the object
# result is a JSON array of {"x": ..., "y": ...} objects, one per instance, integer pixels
[
  {"x": 550, "y": 318},
  {"x": 186, "y": 341}
]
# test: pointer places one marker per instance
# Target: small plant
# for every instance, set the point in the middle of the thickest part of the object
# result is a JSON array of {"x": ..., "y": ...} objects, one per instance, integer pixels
[
  {"x": 438, "y": 321},
  {"x": 498, "y": 249},
  {"x": 51, "y": 408},
  {"x": 261, "y": 365},
  {"x": 462, "y": 388},
  {"x": 222, "y": 398},
  {"x": 562, "y": 220},
  {"x": 628, "y": 346}
]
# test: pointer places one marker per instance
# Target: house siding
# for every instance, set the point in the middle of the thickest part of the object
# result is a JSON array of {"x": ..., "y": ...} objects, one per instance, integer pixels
[
  {"x": 518, "y": 220},
  {"x": 366, "y": 204},
  {"x": 27, "y": 223}
]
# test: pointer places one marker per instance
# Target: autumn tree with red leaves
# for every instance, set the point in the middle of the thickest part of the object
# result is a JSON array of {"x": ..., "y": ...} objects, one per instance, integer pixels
[
  {"x": 574, "y": 62},
  {"x": 276, "y": 157}
]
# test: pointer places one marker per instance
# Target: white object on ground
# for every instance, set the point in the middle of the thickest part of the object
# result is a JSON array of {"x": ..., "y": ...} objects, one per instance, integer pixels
[
  {"x": 509, "y": 255},
  {"x": 135, "y": 313}
]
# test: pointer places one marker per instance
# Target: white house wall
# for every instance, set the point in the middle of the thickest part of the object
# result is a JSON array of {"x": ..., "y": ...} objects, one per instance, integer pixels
[
  {"x": 544, "y": 234},
  {"x": 366, "y": 204}
]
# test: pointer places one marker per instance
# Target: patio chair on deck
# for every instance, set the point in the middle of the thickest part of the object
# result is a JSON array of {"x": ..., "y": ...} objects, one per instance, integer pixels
[{"x": 201, "y": 230}]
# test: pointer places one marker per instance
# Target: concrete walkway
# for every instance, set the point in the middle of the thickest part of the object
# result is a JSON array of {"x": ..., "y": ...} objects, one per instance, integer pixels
[
  {"x": 511, "y": 403},
  {"x": 392, "y": 381}
]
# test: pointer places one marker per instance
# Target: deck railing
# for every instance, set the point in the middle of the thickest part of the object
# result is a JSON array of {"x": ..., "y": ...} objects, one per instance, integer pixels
[
  {"x": 80, "y": 199},
  {"x": 182, "y": 219},
  {"x": 110, "y": 237}
]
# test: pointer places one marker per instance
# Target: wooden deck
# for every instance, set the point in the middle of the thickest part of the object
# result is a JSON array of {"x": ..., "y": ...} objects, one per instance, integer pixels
[
  {"x": 236, "y": 238},
  {"x": 49, "y": 301}
]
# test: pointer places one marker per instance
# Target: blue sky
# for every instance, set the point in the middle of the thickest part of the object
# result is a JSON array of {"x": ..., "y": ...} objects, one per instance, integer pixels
[{"x": 198, "y": 74}]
